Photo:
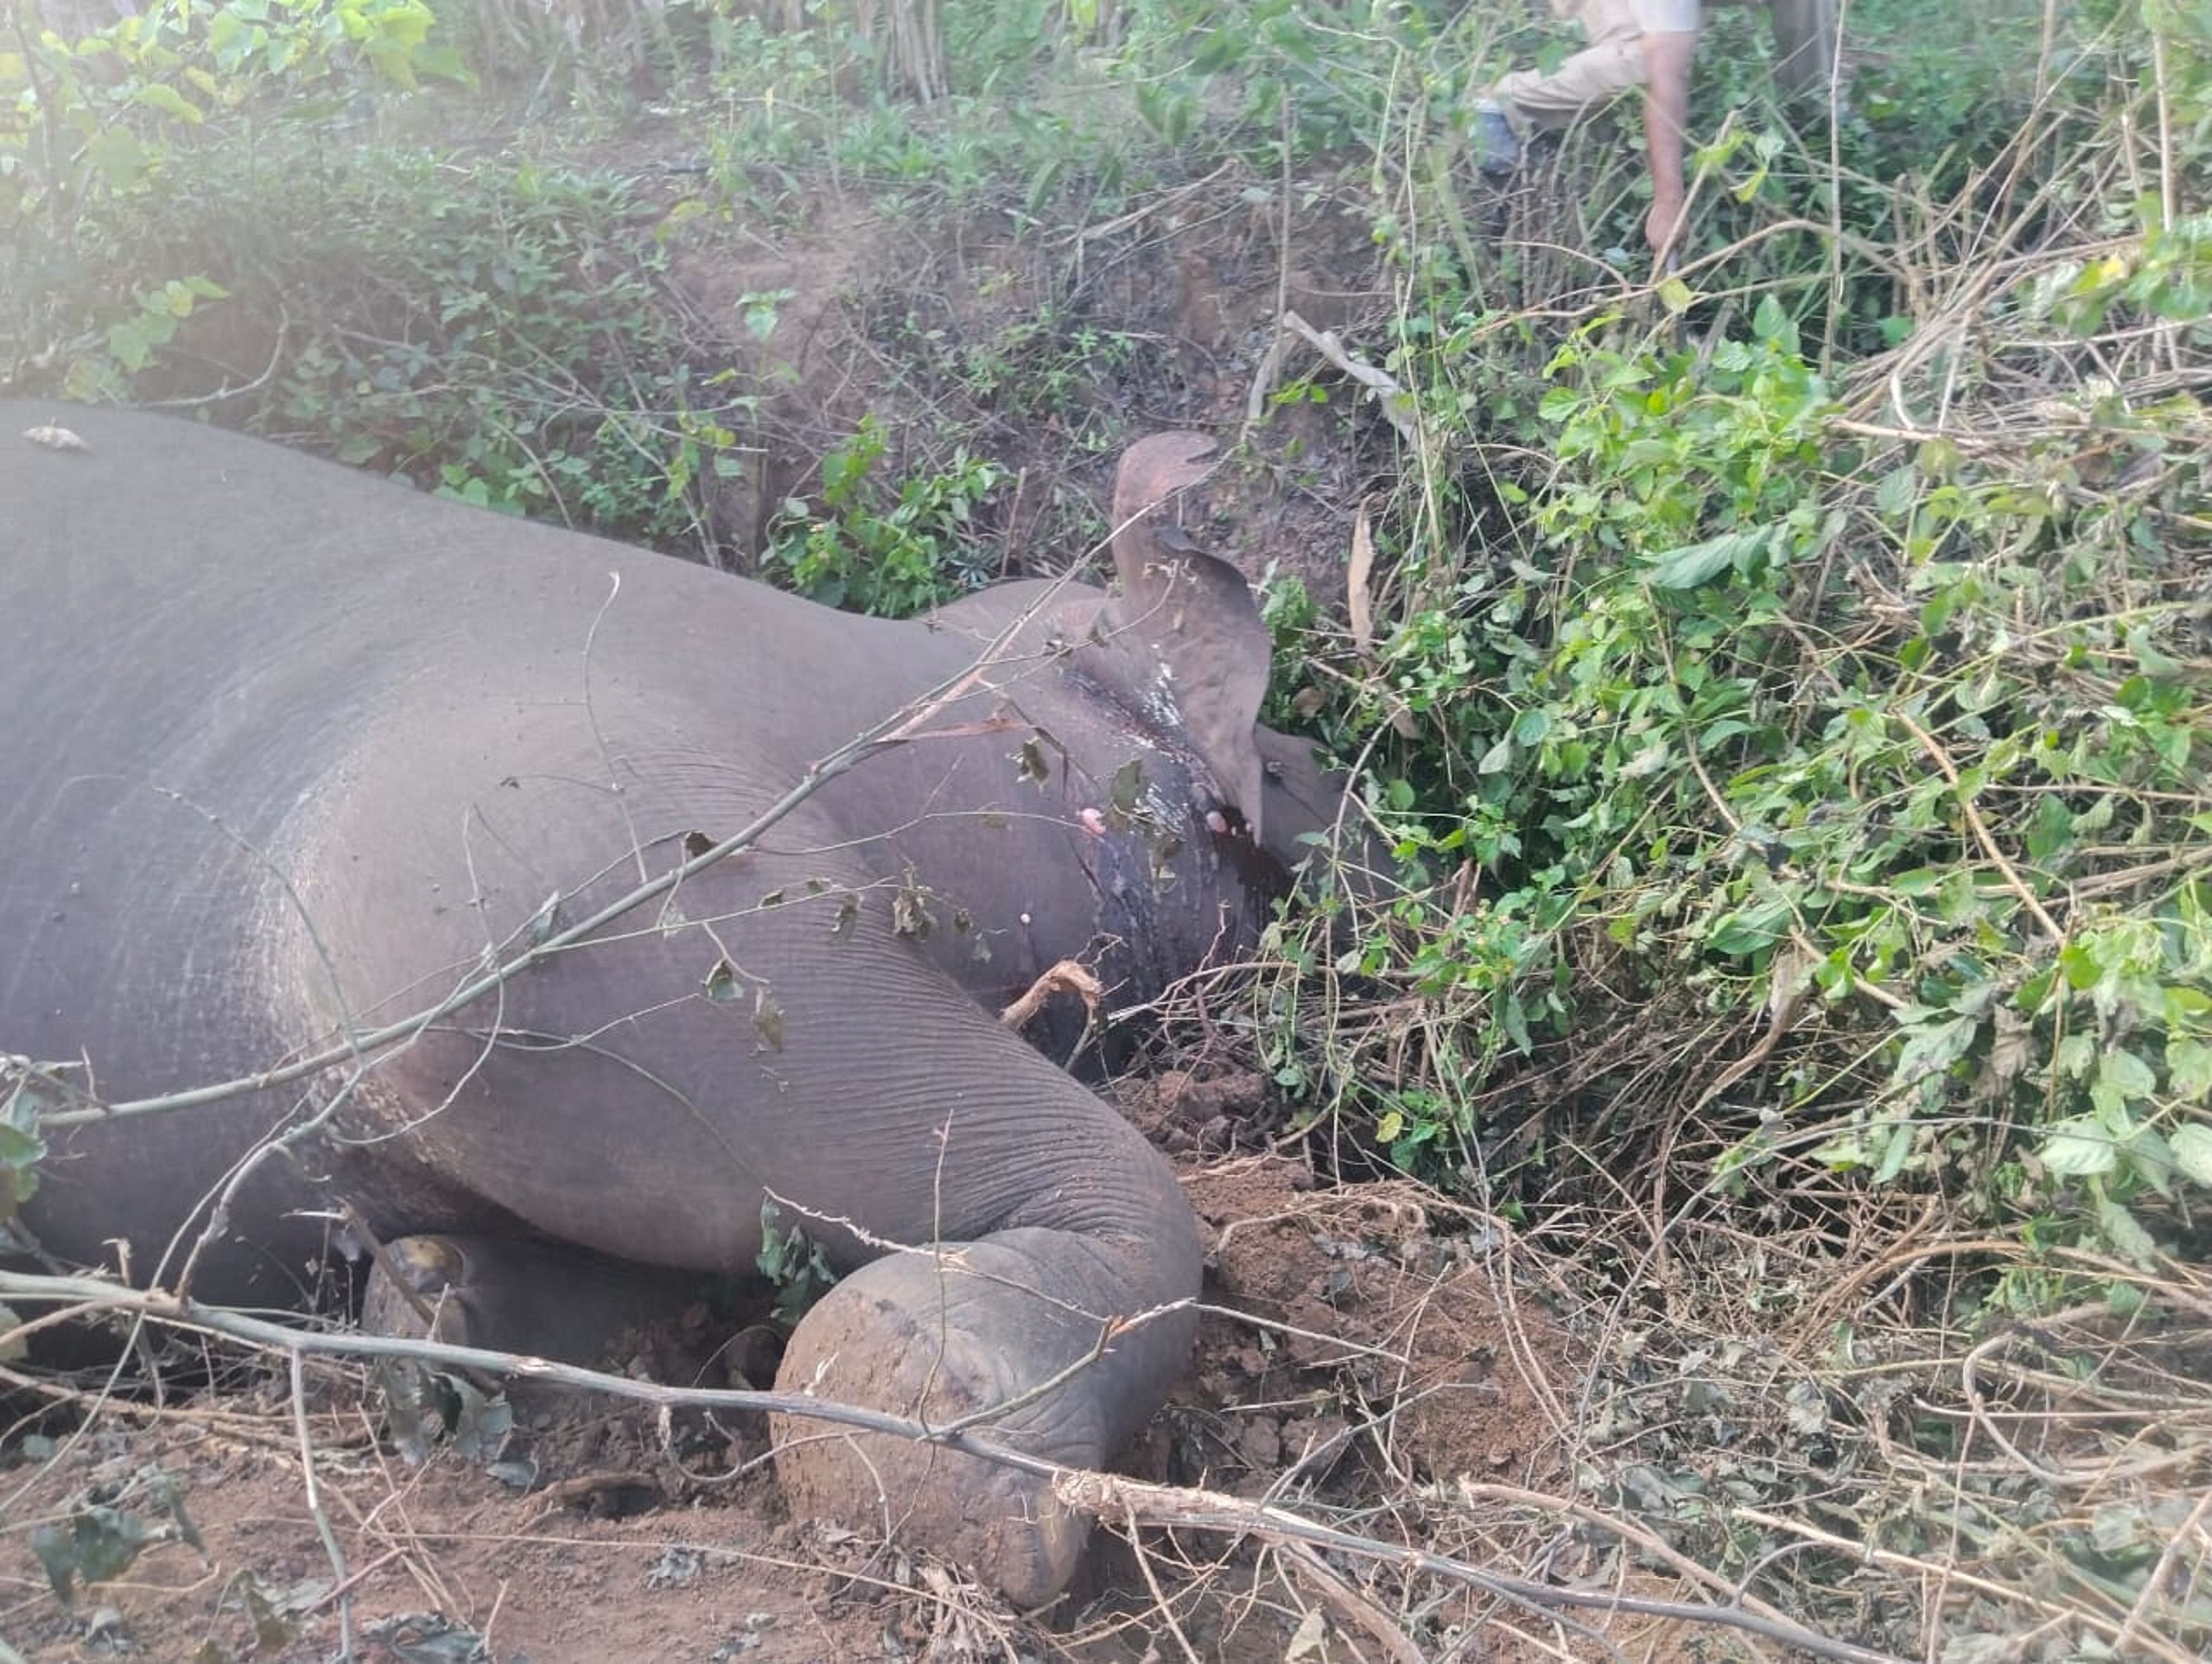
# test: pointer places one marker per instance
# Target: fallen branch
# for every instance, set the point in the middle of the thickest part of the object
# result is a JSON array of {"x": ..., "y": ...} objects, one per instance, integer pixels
[
  {"x": 1398, "y": 406},
  {"x": 1099, "y": 1495}
]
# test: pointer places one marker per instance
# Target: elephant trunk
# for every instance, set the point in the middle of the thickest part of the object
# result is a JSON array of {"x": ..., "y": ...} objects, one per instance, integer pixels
[{"x": 1058, "y": 1334}]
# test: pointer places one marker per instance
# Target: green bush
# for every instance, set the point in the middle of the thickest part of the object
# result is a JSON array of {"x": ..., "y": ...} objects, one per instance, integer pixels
[
  {"x": 1782, "y": 709},
  {"x": 96, "y": 131},
  {"x": 892, "y": 554}
]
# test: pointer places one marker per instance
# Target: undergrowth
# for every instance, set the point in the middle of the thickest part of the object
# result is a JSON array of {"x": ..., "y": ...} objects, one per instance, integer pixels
[{"x": 1853, "y": 707}]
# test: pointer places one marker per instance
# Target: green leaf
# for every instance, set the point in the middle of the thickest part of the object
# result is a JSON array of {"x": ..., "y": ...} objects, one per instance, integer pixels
[
  {"x": 2074, "y": 1055},
  {"x": 2151, "y": 1160},
  {"x": 2121, "y": 1230},
  {"x": 2078, "y": 1147},
  {"x": 1531, "y": 726},
  {"x": 118, "y": 155},
  {"x": 1692, "y": 564},
  {"x": 159, "y": 95},
  {"x": 2189, "y": 1067},
  {"x": 2080, "y": 965},
  {"x": 127, "y": 343},
  {"x": 2146, "y": 654},
  {"x": 1899, "y": 486},
  {"x": 1896, "y": 1154},
  {"x": 1750, "y": 931},
  {"x": 1770, "y": 323},
  {"x": 760, "y": 309},
  {"x": 2191, "y": 1148},
  {"x": 1932, "y": 1048},
  {"x": 2123, "y": 1072},
  {"x": 1516, "y": 1024}
]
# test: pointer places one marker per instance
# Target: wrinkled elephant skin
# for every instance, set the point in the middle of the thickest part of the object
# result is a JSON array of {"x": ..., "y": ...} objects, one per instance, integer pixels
[{"x": 291, "y": 752}]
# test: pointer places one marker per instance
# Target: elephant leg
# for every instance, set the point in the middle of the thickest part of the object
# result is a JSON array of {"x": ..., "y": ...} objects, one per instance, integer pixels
[
  {"x": 510, "y": 1295},
  {"x": 1032, "y": 1319}
]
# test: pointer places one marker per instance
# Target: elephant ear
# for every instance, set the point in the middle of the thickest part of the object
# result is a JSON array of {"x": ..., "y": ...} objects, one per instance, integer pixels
[{"x": 1188, "y": 635}]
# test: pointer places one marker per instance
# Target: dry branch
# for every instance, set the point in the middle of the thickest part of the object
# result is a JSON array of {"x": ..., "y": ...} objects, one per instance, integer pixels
[{"x": 1101, "y": 1495}]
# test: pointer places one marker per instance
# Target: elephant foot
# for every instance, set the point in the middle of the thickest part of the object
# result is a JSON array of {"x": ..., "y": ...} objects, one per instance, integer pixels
[
  {"x": 938, "y": 1337},
  {"x": 541, "y": 1299}
]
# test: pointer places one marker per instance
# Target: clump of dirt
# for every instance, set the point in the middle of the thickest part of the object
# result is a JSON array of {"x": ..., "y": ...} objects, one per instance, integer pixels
[
  {"x": 1186, "y": 1113},
  {"x": 1404, "y": 1341},
  {"x": 1380, "y": 1295},
  {"x": 439, "y": 1558}
]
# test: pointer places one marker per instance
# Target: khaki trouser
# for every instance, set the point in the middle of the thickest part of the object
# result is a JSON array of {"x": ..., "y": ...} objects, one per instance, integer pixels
[
  {"x": 1612, "y": 63},
  {"x": 1804, "y": 37}
]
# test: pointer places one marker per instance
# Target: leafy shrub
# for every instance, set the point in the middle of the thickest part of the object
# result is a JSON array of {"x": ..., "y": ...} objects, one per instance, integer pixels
[
  {"x": 496, "y": 332},
  {"x": 1860, "y": 713},
  {"x": 894, "y": 557},
  {"x": 94, "y": 131}
]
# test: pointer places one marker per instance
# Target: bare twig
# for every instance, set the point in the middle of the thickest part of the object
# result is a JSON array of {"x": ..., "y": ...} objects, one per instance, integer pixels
[
  {"x": 313, "y": 1490},
  {"x": 1103, "y": 1494},
  {"x": 1982, "y": 832}
]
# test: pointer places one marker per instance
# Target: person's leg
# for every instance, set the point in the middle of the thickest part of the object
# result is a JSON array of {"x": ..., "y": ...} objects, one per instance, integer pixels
[{"x": 1609, "y": 65}]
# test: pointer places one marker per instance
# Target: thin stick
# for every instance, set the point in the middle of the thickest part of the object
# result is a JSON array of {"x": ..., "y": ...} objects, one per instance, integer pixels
[
  {"x": 2137, "y": 1620},
  {"x": 1098, "y": 1493},
  {"x": 1982, "y": 834},
  {"x": 343, "y": 1590},
  {"x": 1159, "y": 1600}
]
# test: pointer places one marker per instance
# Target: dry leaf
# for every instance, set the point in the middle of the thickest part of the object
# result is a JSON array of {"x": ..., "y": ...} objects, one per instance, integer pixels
[
  {"x": 1357, "y": 576},
  {"x": 1310, "y": 1641}
]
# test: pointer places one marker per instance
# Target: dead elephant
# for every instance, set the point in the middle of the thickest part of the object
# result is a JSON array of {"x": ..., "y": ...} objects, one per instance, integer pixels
[{"x": 292, "y": 753}]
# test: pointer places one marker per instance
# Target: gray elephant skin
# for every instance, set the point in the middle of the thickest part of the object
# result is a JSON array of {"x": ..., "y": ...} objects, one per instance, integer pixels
[{"x": 291, "y": 752}]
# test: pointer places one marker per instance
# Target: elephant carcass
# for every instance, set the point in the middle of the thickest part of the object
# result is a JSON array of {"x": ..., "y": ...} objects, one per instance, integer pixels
[{"x": 292, "y": 753}]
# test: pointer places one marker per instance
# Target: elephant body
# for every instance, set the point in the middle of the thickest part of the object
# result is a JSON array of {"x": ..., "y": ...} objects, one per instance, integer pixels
[{"x": 292, "y": 753}]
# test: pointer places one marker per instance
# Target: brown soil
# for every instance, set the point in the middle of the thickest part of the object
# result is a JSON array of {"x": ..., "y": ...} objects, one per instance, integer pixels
[
  {"x": 1363, "y": 1350},
  {"x": 961, "y": 328}
]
